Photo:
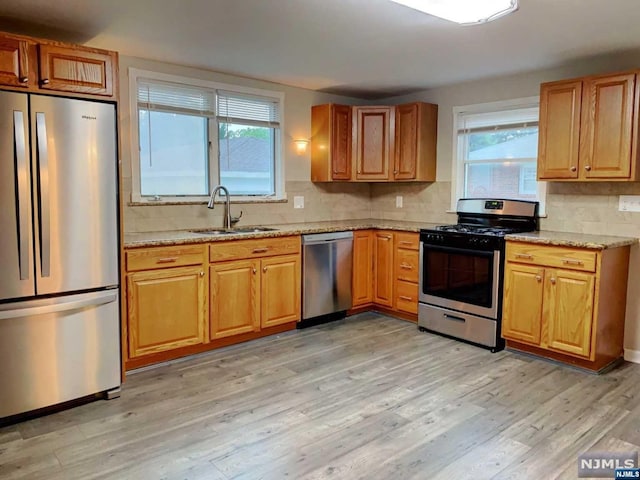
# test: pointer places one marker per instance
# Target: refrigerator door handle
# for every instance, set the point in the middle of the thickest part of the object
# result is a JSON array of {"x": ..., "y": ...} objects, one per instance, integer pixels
[
  {"x": 22, "y": 174},
  {"x": 88, "y": 300},
  {"x": 45, "y": 213}
]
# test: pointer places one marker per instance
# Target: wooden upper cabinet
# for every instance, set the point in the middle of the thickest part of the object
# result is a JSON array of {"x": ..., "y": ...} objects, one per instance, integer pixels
[
  {"x": 415, "y": 142},
  {"x": 607, "y": 126},
  {"x": 373, "y": 141},
  {"x": 559, "y": 130},
  {"x": 15, "y": 70},
  {"x": 589, "y": 129},
  {"x": 331, "y": 142},
  {"x": 76, "y": 70}
]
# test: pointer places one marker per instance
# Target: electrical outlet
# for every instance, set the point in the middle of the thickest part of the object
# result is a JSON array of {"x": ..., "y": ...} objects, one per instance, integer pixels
[
  {"x": 298, "y": 202},
  {"x": 398, "y": 201},
  {"x": 629, "y": 203}
]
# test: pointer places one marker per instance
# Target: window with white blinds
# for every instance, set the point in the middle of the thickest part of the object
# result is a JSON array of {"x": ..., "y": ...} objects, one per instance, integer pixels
[
  {"x": 497, "y": 151},
  {"x": 192, "y": 135}
]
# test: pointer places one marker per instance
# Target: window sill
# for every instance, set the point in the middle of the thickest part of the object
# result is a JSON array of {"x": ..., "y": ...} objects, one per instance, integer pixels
[{"x": 239, "y": 201}]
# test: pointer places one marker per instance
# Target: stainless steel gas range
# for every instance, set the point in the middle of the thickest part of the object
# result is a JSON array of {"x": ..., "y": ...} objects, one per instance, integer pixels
[{"x": 461, "y": 269}]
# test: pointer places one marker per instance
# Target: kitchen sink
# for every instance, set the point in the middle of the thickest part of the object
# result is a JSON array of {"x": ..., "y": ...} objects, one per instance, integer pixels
[{"x": 234, "y": 231}]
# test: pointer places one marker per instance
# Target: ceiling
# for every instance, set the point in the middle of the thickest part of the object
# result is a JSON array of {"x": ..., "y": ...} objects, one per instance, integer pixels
[{"x": 361, "y": 48}]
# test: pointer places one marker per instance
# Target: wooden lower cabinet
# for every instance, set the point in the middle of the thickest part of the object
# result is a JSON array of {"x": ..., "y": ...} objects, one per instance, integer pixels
[
  {"x": 235, "y": 298},
  {"x": 573, "y": 314},
  {"x": 167, "y": 309},
  {"x": 281, "y": 290},
  {"x": 362, "y": 279},
  {"x": 383, "y": 268}
]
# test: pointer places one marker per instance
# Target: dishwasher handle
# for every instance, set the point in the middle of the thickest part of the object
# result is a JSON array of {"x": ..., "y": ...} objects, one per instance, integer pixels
[{"x": 319, "y": 238}]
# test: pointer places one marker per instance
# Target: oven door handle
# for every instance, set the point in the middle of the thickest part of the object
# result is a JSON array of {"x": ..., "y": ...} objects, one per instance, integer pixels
[
  {"x": 468, "y": 251},
  {"x": 453, "y": 317}
]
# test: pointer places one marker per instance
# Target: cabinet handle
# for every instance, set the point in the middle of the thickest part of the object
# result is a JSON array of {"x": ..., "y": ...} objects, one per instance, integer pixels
[
  {"x": 202, "y": 274},
  {"x": 570, "y": 261},
  {"x": 405, "y": 242},
  {"x": 552, "y": 280},
  {"x": 408, "y": 299},
  {"x": 45, "y": 81},
  {"x": 260, "y": 250},
  {"x": 264, "y": 269},
  {"x": 406, "y": 266},
  {"x": 24, "y": 79},
  {"x": 167, "y": 260},
  {"x": 524, "y": 255},
  {"x": 386, "y": 237},
  {"x": 538, "y": 278},
  {"x": 587, "y": 168},
  {"x": 395, "y": 172},
  {"x": 254, "y": 270},
  {"x": 573, "y": 168}
]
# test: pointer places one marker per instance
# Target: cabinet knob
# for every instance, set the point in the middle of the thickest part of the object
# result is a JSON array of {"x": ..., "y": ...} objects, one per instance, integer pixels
[
  {"x": 45, "y": 81},
  {"x": 24, "y": 79},
  {"x": 539, "y": 278},
  {"x": 254, "y": 271},
  {"x": 573, "y": 168},
  {"x": 202, "y": 274},
  {"x": 587, "y": 168},
  {"x": 264, "y": 269},
  {"x": 395, "y": 172},
  {"x": 552, "y": 280}
]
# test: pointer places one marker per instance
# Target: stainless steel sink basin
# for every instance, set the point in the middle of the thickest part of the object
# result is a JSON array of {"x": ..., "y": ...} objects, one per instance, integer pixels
[{"x": 234, "y": 231}]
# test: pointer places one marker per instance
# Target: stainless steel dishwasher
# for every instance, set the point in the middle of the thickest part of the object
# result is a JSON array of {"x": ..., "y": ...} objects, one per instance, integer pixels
[{"x": 326, "y": 269}]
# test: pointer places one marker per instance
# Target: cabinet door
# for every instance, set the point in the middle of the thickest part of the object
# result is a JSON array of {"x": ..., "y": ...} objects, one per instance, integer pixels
[
  {"x": 607, "y": 127},
  {"x": 522, "y": 303},
  {"x": 166, "y": 309},
  {"x": 235, "y": 298},
  {"x": 383, "y": 268},
  {"x": 281, "y": 286},
  {"x": 73, "y": 70},
  {"x": 372, "y": 141},
  {"x": 406, "y": 142},
  {"x": 362, "y": 283},
  {"x": 559, "y": 130},
  {"x": 14, "y": 62},
  {"x": 341, "y": 142},
  {"x": 569, "y": 311}
]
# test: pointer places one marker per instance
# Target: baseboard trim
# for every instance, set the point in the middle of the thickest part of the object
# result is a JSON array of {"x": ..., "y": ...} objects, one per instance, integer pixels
[{"x": 632, "y": 355}]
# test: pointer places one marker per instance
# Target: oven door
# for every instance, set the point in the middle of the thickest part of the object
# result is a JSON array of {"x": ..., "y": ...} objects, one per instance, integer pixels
[{"x": 465, "y": 280}]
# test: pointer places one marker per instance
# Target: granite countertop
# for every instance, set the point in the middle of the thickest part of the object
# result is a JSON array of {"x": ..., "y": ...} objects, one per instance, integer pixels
[
  {"x": 578, "y": 240},
  {"x": 182, "y": 237}
]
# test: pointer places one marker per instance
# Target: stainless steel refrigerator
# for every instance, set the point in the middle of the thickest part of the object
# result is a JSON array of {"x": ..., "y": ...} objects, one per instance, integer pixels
[{"x": 59, "y": 306}]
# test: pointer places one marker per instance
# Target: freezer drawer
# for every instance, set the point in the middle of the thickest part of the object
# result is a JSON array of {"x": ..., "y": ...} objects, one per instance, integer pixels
[{"x": 58, "y": 349}]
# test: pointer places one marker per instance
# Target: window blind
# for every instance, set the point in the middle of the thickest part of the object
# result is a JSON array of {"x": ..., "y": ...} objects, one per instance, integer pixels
[
  {"x": 172, "y": 97},
  {"x": 248, "y": 109},
  {"x": 502, "y": 120}
]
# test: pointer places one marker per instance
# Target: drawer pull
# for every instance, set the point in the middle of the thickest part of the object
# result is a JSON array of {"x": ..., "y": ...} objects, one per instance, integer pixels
[
  {"x": 570, "y": 261},
  {"x": 408, "y": 299},
  {"x": 526, "y": 256},
  {"x": 406, "y": 266},
  {"x": 167, "y": 260},
  {"x": 386, "y": 237},
  {"x": 405, "y": 242},
  {"x": 260, "y": 250}
]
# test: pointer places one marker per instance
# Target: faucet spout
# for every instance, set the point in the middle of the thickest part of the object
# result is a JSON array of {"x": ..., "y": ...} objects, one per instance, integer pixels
[{"x": 227, "y": 204}]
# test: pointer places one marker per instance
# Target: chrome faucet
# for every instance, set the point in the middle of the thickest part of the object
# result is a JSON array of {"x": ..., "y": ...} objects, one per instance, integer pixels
[{"x": 229, "y": 221}]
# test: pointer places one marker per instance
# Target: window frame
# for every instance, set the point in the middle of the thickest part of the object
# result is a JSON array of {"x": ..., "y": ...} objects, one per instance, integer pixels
[
  {"x": 213, "y": 168},
  {"x": 458, "y": 162}
]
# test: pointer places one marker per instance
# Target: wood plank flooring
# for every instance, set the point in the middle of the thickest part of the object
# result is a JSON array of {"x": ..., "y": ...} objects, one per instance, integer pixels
[{"x": 368, "y": 397}]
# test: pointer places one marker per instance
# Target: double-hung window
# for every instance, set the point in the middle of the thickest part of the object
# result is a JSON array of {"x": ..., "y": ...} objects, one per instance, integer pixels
[
  {"x": 190, "y": 135},
  {"x": 497, "y": 150}
]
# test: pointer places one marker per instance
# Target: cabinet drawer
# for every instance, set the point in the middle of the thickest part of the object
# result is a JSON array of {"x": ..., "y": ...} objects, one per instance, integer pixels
[
  {"x": 409, "y": 241},
  {"x": 163, "y": 257},
  {"x": 406, "y": 262},
  {"x": 569, "y": 258},
  {"x": 406, "y": 296},
  {"x": 254, "y": 248}
]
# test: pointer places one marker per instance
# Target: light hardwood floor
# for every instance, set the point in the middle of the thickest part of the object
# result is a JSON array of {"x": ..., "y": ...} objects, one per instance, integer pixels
[{"x": 367, "y": 397}]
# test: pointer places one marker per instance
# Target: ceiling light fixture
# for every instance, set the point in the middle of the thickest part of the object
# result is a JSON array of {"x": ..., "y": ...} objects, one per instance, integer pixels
[{"x": 465, "y": 12}]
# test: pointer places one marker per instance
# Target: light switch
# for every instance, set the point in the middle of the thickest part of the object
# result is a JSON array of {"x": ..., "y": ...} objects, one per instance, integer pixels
[
  {"x": 298, "y": 202},
  {"x": 398, "y": 201}
]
